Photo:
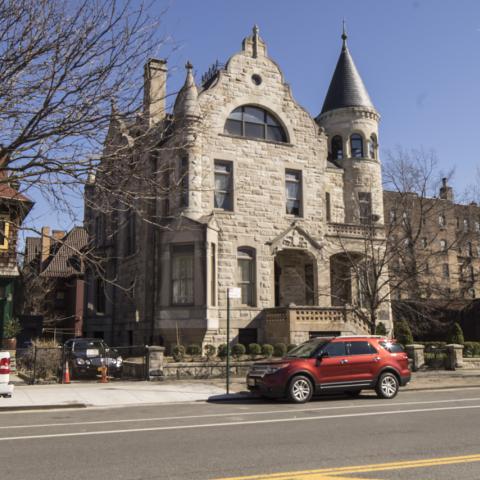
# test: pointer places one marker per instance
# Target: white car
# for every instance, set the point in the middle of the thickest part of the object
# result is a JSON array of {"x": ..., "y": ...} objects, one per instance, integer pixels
[{"x": 6, "y": 389}]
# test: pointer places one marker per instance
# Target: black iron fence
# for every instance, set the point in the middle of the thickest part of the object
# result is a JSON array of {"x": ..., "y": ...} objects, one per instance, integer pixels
[{"x": 55, "y": 364}]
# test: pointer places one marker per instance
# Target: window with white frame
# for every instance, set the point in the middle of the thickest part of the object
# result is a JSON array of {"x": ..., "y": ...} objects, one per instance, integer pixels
[
  {"x": 223, "y": 194},
  {"x": 246, "y": 275},
  {"x": 293, "y": 192}
]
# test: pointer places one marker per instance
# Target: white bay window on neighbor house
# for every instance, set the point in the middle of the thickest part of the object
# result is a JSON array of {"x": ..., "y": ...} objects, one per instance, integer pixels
[
  {"x": 182, "y": 274},
  {"x": 223, "y": 195}
]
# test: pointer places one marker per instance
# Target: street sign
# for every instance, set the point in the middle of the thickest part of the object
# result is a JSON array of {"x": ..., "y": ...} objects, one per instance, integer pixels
[{"x": 235, "y": 292}]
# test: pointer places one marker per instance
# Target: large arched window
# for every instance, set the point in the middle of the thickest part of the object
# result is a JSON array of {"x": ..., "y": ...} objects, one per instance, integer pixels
[
  {"x": 356, "y": 145},
  {"x": 254, "y": 122},
  {"x": 337, "y": 147},
  {"x": 246, "y": 274},
  {"x": 372, "y": 146}
]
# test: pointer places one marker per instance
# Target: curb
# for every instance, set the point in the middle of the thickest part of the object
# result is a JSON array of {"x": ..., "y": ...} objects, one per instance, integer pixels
[{"x": 20, "y": 408}]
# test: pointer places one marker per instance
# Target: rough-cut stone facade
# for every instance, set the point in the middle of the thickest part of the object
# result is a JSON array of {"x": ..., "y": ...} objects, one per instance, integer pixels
[{"x": 292, "y": 256}]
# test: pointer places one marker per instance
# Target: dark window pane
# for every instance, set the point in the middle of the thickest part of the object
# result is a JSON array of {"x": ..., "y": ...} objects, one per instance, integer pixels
[
  {"x": 337, "y": 147},
  {"x": 182, "y": 275},
  {"x": 335, "y": 349},
  {"x": 361, "y": 348},
  {"x": 246, "y": 275},
  {"x": 236, "y": 114},
  {"x": 254, "y": 130},
  {"x": 356, "y": 143},
  {"x": 272, "y": 121},
  {"x": 253, "y": 115},
  {"x": 276, "y": 134},
  {"x": 233, "y": 127}
]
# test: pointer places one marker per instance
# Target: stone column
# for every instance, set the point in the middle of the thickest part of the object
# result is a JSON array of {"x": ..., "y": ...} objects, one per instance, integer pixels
[
  {"x": 454, "y": 356},
  {"x": 415, "y": 353},
  {"x": 155, "y": 362}
]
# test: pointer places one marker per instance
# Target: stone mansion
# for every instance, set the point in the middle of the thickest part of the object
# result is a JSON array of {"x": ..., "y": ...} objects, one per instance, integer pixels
[{"x": 245, "y": 189}]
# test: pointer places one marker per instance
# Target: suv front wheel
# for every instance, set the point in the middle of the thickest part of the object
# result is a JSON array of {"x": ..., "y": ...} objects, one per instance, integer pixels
[
  {"x": 387, "y": 385},
  {"x": 300, "y": 389}
]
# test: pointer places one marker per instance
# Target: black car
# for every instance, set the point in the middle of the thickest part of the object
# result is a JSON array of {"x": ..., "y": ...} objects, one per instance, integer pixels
[{"x": 86, "y": 355}]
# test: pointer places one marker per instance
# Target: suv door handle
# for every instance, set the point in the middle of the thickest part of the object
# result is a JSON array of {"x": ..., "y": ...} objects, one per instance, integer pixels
[
  {"x": 376, "y": 359},
  {"x": 344, "y": 361}
]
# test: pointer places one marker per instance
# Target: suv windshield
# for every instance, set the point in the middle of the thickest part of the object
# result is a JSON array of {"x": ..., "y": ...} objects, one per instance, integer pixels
[
  {"x": 307, "y": 349},
  {"x": 83, "y": 345}
]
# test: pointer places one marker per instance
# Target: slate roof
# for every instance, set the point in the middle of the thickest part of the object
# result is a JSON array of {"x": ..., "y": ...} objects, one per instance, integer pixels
[
  {"x": 346, "y": 87},
  {"x": 67, "y": 260},
  {"x": 6, "y": 191}
]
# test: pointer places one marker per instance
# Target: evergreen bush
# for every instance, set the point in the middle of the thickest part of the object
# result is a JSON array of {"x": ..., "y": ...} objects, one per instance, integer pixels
[
  {"x": 403, "y": 334},
  {"x": 178, "y": 352},
  {"x": 238, "y": 350},
  {"x": 267, "y": 350},
  {"x": 456, "y": 335},
  {"x": 279, "y": 350},
  {"x": 210, "y": 351},
  {"x": 254, "y": 349},
  {"x": 380, "y": 329},
  {"x": 194, "y": 350},
  {"x": 222, "y": 350}
]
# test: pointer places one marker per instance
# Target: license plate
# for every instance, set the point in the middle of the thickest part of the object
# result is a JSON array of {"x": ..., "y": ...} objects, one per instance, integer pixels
[
  {"x": 92, "y": 352},
  {"x": 251, "y": 382}
]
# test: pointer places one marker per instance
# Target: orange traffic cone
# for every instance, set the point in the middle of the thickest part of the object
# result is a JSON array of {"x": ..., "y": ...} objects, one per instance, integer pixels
[{"x": 66, "y": 374}]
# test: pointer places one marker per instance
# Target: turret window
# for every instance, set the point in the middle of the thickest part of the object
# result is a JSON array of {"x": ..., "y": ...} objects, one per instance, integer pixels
[
  {"x": 356, "y": 145},
  {"x": 254, "y": 122},
  {"x": 372, "y": 146},
  {"x": 337, "y": 147}
]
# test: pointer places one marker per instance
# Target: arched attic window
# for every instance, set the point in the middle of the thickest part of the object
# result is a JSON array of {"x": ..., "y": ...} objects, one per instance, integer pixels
[
  {"x": 254, "y": 122},
  {"x": 372, "y": 146},
  {"x": 337, "y": 147},
  {"x": 356, "y": 145}
]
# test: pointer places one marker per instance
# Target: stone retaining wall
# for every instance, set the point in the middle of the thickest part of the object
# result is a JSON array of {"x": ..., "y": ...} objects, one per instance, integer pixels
[{"x": 204, "y": 369}]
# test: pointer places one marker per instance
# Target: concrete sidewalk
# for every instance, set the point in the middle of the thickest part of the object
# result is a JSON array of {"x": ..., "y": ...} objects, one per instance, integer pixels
[{"x": 124, "y": 394}]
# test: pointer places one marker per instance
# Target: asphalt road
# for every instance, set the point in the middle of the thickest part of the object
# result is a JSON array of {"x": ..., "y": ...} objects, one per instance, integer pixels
[{"x": 416, "y": 435}]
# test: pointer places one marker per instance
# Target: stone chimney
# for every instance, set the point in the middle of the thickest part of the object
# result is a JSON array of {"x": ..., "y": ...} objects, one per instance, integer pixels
[
  {"x": 45, "y": 244},
  {"x": 154, "y": 91},
  {"x": 446, "y": 192}
]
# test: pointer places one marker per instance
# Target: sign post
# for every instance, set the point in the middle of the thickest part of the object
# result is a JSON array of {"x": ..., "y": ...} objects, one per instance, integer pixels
[{"x": 231, "y": 293}]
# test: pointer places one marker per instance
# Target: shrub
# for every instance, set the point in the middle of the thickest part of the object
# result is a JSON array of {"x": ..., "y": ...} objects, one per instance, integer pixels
[
  {"x": 178, "y": 352},
  {"x": 254, "y": 349},
  {"x": 194, "y": 350},
  {"x": 279, "y": 350},
  {"x": 472, "y": 349},
  {"x": 380, "y": 329},
  {"x": 238, "y": 350},
  {"x": 291, "y": 346},
  {"x": 11, "y": 328},
  {"x": 267, "y": 350},
  {"x": 222, "y": 350},
  {"x": 403, "y": 334},
  {"x": 456, "y": 335},
  {"x": 210, "y": 351},
  {"x": 47, "y": 357}
]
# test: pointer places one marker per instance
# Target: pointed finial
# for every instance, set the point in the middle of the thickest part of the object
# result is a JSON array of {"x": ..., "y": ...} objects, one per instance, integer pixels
[
  {"x": 344, "y": 34},
  {"x": 256, "y": 30},
  {"x": 188, "y": 65}
]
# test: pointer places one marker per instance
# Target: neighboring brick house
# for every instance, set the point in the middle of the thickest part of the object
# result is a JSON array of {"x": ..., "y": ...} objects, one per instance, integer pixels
[
  {"x": 53, "y": 284},
  {"x": 14, "y": 207},
  {"x": 250, "y": 191},
  {"x": 446, "y": 247}
]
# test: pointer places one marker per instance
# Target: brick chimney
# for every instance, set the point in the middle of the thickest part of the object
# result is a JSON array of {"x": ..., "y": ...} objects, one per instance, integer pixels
[
  {"x": 154, "y": 91},
  {"x": 446, "y": 192},
  {"x": 45, "y": 244}
]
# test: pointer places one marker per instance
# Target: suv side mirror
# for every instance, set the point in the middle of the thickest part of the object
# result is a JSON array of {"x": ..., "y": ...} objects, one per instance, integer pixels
[{"x": 321, "y": 355}]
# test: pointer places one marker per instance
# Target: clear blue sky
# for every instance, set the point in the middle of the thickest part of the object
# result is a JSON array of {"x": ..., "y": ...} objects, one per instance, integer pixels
[{"x": 419, "y": 60}]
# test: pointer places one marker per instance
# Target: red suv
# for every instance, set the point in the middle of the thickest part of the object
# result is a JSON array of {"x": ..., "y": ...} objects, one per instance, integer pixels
[{"x": 333, "y": 365}]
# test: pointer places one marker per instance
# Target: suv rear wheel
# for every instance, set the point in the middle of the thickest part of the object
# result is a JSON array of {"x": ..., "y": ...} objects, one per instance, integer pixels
[
  {"x": 300, "y": 389},
  {"x": 387, "y": 385}
]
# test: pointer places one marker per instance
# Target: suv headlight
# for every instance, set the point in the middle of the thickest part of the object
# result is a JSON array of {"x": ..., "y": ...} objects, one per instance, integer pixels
[
  {"x": 80, "y": 361},
  {"x": 275, "y": 368},
  {"x": 119, "y": 361}
]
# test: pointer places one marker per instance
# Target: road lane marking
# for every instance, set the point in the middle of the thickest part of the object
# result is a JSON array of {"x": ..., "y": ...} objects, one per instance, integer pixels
[
  {"x": 333, "y": 472},
  {"x": 235, "y": 413},
  {"x": 229, "y": 424}
]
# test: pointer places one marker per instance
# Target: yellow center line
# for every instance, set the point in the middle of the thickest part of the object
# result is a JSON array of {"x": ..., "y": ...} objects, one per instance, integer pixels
[{"x": 326, "y": 473}]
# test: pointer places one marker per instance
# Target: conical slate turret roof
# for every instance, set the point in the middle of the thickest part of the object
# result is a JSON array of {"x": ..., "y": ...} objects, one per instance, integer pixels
[
  {"x": 186, "y": 104},
  {"x": 346, "y": 88}
]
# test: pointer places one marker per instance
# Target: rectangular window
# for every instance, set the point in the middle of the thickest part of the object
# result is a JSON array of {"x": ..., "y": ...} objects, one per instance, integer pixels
[
  {"x": 223, "y": 195},
  {"x": 213, "y": 274},
  {"x": 182, "y": 274},
  {"x": 246, "y": 275},
  {"x": 293, "y": 189},
  {"x": 328, "y": 207},
  {"x": 365, "y": 207},
  {"x": 445, "y": 270},
  {"x": 100, "y": 295},
  {"x": 131, "y": 237},
  {"x": 4, "y": 231},
  {"x": 184, "y": 182}
]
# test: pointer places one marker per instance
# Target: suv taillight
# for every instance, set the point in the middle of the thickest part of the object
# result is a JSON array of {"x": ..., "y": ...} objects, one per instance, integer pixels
[{"x": 4, "y": 366}]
